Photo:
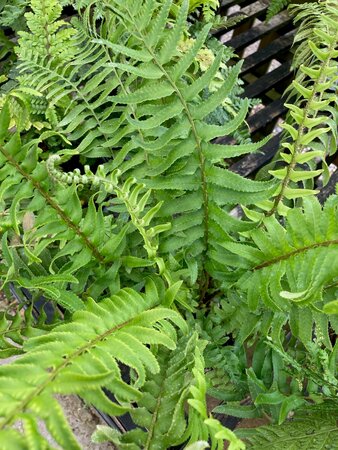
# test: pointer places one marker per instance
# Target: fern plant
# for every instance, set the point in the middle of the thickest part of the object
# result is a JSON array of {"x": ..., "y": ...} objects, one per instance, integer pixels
[
  {"x": 90, "y": 364},
  {"x": 117, "y": 206},
  {"x": 11, "y": 13},
  {"x": 313, "y": 427},
  {"x": 176, "y": 137},
  {"x": 275, "y": 7},
  {"x": 313, "y": 115},
  {"x": 181, "y": 152}
]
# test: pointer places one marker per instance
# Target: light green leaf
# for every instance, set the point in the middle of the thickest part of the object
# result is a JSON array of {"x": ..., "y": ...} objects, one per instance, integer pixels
[{"x": 331, "y": 307}]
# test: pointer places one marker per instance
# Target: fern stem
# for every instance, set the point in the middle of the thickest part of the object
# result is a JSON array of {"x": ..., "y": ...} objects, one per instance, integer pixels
[
  {"x": 294, "y": 253},
  {"x": 45, "y": 28},
  {"x": 151, "y": 429},
  {"x": 329, "y": 286},
  {"x": 10, "y": 330},
  {"x": 298, "y": 147},
  {"x": 56, "y": 207},
  {"x": 204, "y": 283}
]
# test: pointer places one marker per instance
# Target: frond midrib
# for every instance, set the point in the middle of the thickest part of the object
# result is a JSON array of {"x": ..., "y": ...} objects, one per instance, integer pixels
[
  {"x": 58, "y": 369},
  {"x": 294, "y": 253},
  {"x": 67, "y": 220},
  {"x": 298, "y": 147}
]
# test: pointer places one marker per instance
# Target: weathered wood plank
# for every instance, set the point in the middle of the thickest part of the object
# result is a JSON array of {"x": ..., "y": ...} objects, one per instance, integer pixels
[
  {"x": 255, "y": 33},
  {"x": 266, "y": 115},
  {"x": 329, "y": 188},
  {"x": 228, "y": 3},
  {"x": 270, "y": 51},
  {"x": 253, "y": 10},
  {"x": 268, "y": 81}
]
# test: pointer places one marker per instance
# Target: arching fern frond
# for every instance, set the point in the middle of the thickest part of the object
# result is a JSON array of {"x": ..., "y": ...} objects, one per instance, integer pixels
[
  {"x": 79, "y": 100},
  {"x": 202, "y": 426},
  {"x": 130, "y": 197},
  {"x": 287, "y": 268},
  {"x": 311, "y": 428},
  {"x": 161, "y": 411},
  {"x": 82, "y": 357},
  {"x": 80, "y": 240},
  {"x": 311, "y": 17},
  {"x": 311, "y": 126},
  {"x": 167, "y": 143}
]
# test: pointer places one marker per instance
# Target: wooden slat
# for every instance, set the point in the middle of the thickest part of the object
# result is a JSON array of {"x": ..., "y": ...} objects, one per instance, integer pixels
[
  {"x": 256, "y": 9},
  {"x": 228, "y": 3},
  {"x": 267, "y": 81},
  {"x": 266, "y": 115},
  {"x": 255, "y": 33},
  {"x": 252, "y": 10},
  {"x": 329, "y": 188},
  {"x": 267, "y": 53}
]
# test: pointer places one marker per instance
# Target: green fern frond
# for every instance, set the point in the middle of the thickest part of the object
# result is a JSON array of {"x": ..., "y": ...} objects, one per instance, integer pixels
[
  {"x": 288, "y": 267},
  {"x": 84, "y": 239},
  {"x": 312, "y": 118},
  {"x": 160, "y": 412},
  {"x": 134, "y": 200},
  {"x": 77, "y": 97},
  {"x": 176, "y": 142},
  {"x": 311, "y": 18},
  {"x": 275, "y": 7},
  {"x": 49, "y": 37},
  {"x": 312, "y": 428},
  {"x": 203, "y": 426},
  {"x": 82, "y": 357}
]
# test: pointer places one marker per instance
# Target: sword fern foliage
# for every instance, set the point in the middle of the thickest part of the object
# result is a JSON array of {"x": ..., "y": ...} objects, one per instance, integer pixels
[{"x": 118, "y": 208}]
